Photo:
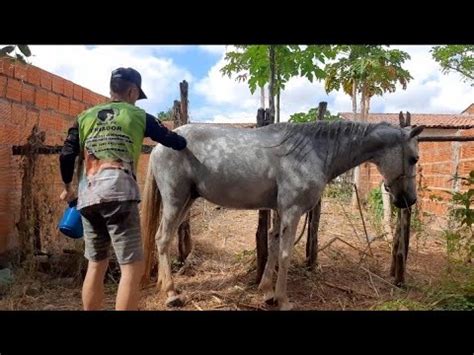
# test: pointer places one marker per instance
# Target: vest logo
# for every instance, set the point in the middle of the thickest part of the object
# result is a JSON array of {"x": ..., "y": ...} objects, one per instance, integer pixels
[{"x": 107, "y": 115}]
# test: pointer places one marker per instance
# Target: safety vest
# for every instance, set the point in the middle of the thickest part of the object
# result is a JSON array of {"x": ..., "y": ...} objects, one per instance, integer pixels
[{"x": 111, "y": 135}]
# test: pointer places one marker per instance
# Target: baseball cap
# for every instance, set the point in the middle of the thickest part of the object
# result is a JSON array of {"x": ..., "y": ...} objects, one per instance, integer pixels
[{"x": 131, "y": 75}]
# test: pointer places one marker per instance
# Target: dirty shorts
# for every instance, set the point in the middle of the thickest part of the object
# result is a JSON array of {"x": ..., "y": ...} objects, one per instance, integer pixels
[{"x": 116, "y": 223}]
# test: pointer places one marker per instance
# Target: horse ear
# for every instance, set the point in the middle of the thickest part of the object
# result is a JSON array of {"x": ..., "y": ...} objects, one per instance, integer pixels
[{"x": 416, "y": 131}]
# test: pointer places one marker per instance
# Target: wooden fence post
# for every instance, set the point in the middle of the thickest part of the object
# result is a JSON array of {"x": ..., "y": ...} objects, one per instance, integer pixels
[
  {"x": 402, "y": 234},
  {"x": 314, "y": 215}
]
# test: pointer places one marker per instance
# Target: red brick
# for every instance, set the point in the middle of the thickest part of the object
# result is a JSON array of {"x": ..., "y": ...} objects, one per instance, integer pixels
[
  {"x": 3, "y": 86},
  {"x": 20, "y": 71},
  {"x": 41, "y": 98},
  {"x": 75, "y": 108},
  {"x": 88, "y": 97},
  {"x": 63, "y": 105},
  {"x": 28, "y": 94},
  {"x": 82, "y": 107},
  {"x": 68, "y": 89},
  {"x": 33, "y": 75},
  {"x": 32, "y": 118},
  {"x": 18, "y": 115},
  {"x": 48, "y": 122},
  {"x": 6, "y": 67},
  {"x": 13, "y": 90},
  {"x": 58, "y": 84},
  {"x": 46, "y": 80},
  {"x": 5, "y": 110},
  {"x": 77, "y": 92},
  {"x": 9, "y": 133},
  {"x": 53, "y": 101}
]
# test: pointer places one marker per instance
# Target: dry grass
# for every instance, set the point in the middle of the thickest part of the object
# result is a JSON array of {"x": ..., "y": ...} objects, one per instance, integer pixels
[{"x": 220, "y": 272}]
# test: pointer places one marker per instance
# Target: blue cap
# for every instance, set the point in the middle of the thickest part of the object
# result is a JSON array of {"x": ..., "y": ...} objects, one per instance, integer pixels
[{"x": 131, "y": 75}]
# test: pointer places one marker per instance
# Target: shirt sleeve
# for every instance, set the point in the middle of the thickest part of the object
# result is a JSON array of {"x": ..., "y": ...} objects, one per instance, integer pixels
[
  {"x": 159, "y": 133},
  {"x": 69, "y": 152}
]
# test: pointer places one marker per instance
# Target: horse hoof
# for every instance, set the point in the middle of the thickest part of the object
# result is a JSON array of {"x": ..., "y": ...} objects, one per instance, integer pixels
[
  {"x": 175, "y": 301},
  {"x": 287, "y": 306},
  {"x": 271, "y": 302}
]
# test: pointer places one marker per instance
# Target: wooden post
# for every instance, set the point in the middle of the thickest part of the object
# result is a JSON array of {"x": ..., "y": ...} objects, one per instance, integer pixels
[
  {"x": 263, "y": 119},
  {"x": 184, "y": 230},
  {"x": 314, "y": 215},
  {"x": 402, "y": 234}
]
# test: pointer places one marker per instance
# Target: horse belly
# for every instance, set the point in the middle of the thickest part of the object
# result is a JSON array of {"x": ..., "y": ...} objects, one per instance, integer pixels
[{"x": 239, "y": 195}]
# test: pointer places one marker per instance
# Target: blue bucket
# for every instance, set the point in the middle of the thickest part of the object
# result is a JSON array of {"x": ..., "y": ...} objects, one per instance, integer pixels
[{"x": 71, "y": 223}]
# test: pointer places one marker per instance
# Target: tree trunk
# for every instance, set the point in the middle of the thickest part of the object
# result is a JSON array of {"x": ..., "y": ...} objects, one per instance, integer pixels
[
  {"x": 315, "y": 214},
  {"x": 387, "y": 213},
  {"x": 262, "y": 97},
  {"x": 278, "y": 106},
  {"x": 271, "y": 85},
  {"x": 354, "y": 99}
]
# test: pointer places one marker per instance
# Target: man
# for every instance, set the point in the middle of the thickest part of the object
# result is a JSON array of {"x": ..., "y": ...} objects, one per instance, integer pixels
[{"x": 109, "y": 138}]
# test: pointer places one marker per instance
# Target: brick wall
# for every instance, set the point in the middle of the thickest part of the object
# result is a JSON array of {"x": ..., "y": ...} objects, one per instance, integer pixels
[
  {"x": 29, "y": 96},
  {"x": 439, "y": 161}
]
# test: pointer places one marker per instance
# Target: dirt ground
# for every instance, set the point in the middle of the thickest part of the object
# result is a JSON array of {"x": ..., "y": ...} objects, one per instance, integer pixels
[{"x": 220, "y": 272}]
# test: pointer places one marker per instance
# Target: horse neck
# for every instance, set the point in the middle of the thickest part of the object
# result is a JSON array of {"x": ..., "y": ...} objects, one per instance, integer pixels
[{"x": 346, "y": 152}]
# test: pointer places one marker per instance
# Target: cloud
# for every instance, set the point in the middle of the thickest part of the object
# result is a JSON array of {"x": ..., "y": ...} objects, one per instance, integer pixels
[
  {"x": 213, "y": 49},
  {"x": 91, "y": 67}
]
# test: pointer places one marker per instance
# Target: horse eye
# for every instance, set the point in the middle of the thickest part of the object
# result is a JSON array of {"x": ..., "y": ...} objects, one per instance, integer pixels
[{"x": 413, "y": 160}]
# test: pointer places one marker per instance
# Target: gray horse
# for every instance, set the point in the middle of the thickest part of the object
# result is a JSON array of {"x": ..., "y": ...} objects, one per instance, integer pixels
[{"x": 282, "y": 167}]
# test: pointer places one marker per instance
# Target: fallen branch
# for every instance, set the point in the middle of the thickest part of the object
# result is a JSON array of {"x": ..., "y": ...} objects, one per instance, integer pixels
[
  {"x": 346, "y": 289},
  {"x": 382, "y": 279},
  {"x": 343, "y": 241}
]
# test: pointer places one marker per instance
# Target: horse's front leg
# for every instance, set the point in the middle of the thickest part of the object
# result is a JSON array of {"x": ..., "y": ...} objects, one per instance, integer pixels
[
  {"x": 289, "y": 223},
  {"x": 266, "y": 284}
]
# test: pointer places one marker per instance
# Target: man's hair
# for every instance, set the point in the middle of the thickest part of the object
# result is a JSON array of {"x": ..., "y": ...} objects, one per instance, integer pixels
[{"x": 119, "y": 86}]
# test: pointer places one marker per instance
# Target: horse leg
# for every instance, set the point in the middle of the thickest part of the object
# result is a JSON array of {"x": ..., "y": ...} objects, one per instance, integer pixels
[
  {"x": 266, "y": 284},
  {"x": 289, "y": 223},
  {"x": 171, "y": 218}
]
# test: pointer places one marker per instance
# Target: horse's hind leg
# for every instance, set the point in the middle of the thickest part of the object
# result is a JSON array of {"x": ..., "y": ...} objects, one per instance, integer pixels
[
  {"x": 266, "y": 284},
  {"x": 171, "y": 218}
]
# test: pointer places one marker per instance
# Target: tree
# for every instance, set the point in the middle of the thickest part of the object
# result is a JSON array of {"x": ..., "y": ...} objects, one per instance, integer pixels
[
  {"x": 9, "y": 51},
  {"x": 456, "y": 58},
  {"x": 367, "y": 70},
  {"x": 165, "y": 116},
  {"x": 252, "y": 64},
  {"x": 312, "y": 115}
]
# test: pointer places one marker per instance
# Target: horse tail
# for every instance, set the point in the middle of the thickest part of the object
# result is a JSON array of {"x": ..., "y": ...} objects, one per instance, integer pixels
[{"x": 150, "y": 214}]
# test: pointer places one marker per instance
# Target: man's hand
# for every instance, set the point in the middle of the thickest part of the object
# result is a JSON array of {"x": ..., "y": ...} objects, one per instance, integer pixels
[{"x": 68, "y": 194}]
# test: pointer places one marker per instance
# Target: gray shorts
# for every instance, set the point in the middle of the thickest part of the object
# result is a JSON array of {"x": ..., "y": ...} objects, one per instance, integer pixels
[{"x": 116, "y": 223}]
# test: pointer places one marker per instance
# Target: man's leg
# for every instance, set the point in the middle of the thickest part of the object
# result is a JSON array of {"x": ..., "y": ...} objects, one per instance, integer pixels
[
  {"x": 93, "y": 287},
  {"x": 97, "y": 245},
  {"x": 128, "y": 293},
  {"x": 123, "y": 224}
]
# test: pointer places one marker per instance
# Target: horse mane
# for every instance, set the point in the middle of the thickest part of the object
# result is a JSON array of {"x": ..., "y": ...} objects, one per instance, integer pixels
[{"x": 297, "y": 136}]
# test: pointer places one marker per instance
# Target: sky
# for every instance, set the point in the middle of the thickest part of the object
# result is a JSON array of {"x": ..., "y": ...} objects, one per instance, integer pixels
[{"x": 215, "y": 98}]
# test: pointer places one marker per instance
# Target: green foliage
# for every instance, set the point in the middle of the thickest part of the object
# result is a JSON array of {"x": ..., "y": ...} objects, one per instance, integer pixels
[
  {"x": 251, "y": 63},
  {"x": 312, "y": 115},
  {"x": 374, "y": 69},
  {"x": 456, "y": 58},
  {"x": 165, "y": 116},
  {"x": 375, "y": 204},
  {"x": 460, "y": 235},
  {"x": 10, "y": 51},
  {"x": 339, "y": 190}
]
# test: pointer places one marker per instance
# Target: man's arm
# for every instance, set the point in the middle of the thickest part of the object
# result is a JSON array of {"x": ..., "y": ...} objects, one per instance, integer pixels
[
  {"x": 67, "y": 159},
  {"x": 159, "y": 133}
]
